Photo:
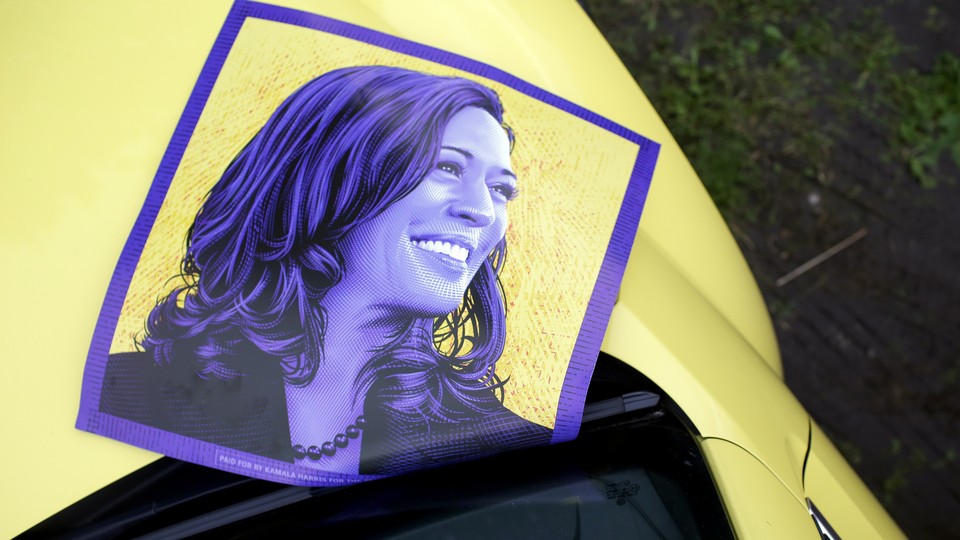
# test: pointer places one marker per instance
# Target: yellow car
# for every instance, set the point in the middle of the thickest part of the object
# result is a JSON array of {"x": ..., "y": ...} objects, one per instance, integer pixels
[{"x": 689, "y": 430}]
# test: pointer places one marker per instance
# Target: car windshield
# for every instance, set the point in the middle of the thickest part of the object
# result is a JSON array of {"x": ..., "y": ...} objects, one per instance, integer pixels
[{"x": 631, "y": 474}]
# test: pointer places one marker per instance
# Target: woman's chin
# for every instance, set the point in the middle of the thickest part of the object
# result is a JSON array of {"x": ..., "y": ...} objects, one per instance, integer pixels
[{"x": 437, "y": 304}]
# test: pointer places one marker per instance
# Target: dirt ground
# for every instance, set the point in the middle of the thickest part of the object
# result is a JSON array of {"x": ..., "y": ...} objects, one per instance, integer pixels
[{"x": 870, "y": 338}]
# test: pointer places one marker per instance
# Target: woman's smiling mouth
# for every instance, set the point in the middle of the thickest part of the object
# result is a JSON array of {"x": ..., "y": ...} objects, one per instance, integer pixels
[{"x": 450, "y": 249}]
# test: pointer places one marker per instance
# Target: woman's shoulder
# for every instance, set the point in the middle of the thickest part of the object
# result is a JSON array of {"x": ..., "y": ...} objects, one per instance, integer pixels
[
  {"x": 246, "y": 413},
  {"x": 127, "y": 386}
]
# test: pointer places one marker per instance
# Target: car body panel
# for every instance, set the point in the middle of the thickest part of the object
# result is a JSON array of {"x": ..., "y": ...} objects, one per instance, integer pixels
[
  {"x": 745, "y": 483},
  {"x": 666, "y": 329},
  {"x": 92, "y": 93},
  {"x": 841, "y": 496}
]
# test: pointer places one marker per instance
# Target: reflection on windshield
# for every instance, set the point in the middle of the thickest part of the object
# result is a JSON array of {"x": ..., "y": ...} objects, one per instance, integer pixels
[{"x": 622, "y": 480}]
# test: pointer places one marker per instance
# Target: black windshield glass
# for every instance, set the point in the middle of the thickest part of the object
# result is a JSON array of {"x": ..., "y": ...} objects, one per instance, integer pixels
[{"x": 629, "y": 479}]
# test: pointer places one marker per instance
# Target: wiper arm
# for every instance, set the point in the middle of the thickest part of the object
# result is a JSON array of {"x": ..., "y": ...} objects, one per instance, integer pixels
[{"x": 631, "y": 402}]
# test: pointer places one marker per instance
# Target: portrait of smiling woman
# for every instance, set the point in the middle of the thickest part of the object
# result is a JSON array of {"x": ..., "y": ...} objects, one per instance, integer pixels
[{"x": 341, "y": 306}]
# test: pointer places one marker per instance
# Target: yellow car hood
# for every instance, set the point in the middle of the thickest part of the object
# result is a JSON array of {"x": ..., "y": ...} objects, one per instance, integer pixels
[{"x": 92, "y": 93}]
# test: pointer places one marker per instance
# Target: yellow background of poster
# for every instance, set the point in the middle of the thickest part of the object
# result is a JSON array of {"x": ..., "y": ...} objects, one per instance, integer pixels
[{"x": 571, "y": 173}]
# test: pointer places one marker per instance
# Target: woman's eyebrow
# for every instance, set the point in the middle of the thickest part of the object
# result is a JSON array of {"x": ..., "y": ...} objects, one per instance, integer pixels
[
  {"x": 460, "y": 151},
  {"x": 467, "y": 154}
]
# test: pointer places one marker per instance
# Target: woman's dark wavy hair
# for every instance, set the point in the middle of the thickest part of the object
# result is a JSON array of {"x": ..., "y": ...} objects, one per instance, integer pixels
[{"x": 262, "y": 251}]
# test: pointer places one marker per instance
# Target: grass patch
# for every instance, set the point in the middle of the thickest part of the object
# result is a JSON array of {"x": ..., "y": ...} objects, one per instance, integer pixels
[{"x": 928, "y": 132}]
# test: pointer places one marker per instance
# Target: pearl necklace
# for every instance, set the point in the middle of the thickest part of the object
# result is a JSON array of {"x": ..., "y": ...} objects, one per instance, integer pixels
[{"x": 329, "y": 448}]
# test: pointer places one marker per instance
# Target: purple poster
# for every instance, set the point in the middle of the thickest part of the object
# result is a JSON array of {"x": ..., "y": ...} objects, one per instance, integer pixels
[{"x": 362, "y": 256}]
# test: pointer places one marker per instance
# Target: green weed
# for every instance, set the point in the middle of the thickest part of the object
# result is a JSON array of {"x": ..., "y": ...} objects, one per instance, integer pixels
[{"x": 928, "y": 131}]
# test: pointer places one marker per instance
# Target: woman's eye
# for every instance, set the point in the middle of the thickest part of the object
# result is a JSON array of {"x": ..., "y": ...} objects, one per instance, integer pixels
[
  {"x": 451, "y": 168},
  {"x": 506, "y": 191}
]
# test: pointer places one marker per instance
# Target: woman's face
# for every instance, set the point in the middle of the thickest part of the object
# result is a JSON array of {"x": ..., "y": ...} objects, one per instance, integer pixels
[{"x": 421, "y": 253}]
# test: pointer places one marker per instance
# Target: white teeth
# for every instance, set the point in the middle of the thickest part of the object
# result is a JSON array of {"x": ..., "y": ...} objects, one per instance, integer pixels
[{"x": 453, "y": 251}]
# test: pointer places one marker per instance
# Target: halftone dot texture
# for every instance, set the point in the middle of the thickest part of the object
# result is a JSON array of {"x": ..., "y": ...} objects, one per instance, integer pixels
[{"x": 572, "y": 178}]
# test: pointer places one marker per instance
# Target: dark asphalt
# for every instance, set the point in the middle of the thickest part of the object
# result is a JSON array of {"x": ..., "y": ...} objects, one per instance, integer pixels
[{"x": 870, "y": 338}]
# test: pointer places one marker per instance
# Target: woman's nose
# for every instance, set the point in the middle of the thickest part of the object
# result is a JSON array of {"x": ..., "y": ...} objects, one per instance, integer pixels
[{"x": 474, "y": 204}]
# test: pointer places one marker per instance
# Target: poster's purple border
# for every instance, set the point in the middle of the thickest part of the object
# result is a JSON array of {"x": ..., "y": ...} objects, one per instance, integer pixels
[{"x": 583, "y": 360}]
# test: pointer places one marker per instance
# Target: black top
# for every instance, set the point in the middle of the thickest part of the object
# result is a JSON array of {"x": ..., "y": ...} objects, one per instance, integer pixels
[{"x": 249, "y": 413}]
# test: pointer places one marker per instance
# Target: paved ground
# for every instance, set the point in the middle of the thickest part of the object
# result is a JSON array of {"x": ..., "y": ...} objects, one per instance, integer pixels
[{"x": 871, "y": 338}]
